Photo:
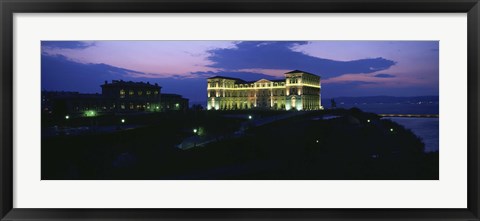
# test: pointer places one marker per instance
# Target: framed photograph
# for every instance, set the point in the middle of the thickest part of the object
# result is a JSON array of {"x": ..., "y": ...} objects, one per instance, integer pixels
[{"x": 226, "y": 110}]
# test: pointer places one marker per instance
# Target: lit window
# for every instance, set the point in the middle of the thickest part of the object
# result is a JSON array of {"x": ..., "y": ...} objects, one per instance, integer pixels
[
  {"x": 140, "y": 93},
  {"x": 149, "y": 92},
  {"x": 131, "y": 92}
]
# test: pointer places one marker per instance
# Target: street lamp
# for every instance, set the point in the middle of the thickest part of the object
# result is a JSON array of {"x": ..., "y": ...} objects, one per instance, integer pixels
[
  {"x": 368, "y": 121},
  {"x": 249, "y": 117},
  {"x": 123, "y": 121},
  {"x": 67, "y": 117},
  {"x": 194, "y": 131},
  {"x": 391, "y": 129}
]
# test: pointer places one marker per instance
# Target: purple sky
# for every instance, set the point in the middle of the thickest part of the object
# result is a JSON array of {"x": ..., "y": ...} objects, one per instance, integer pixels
[{"x": 347, "y": 68}]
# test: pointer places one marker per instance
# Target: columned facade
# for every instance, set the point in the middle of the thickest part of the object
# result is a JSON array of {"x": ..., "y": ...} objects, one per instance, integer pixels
[{"x": 298, "y": 91}]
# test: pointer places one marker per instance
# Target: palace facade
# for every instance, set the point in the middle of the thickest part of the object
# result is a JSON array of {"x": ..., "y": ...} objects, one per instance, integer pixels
[{"x": 299, "y": 90}]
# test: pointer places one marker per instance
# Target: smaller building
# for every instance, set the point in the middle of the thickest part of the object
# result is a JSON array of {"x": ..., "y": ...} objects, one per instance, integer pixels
[
  {"x": 174, "y": 102},
  {"x": 129, "y": 96},
  {"x": 118, "y": 96}
]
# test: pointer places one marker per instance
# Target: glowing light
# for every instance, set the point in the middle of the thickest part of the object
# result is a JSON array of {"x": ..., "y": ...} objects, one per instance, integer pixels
[
  {"x": 368, "y": 120},
  {"x": 90, "y": 113},
  {"x": 123, "y": 121},
  {"x": 67, "y": 117},
  {"x": 391, "y": 129},
  {"x": 250, "y": 117},
  {"x": 195, "y": 131},
  {"x": 317, "y": 141}
]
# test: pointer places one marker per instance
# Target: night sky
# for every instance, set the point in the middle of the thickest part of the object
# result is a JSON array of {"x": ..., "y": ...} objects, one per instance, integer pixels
[{"x": 347, "y": 68}]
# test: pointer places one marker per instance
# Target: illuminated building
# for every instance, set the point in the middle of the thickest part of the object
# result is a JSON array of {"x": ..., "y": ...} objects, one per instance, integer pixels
[
  {"x": 299, "y": 90},
  {"x": 128, "y": 96},
  {"x": 116, "y": 97}
]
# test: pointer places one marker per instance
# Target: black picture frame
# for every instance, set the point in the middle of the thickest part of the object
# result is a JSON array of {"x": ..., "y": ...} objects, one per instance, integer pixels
[{"x": 9, "y": 7}]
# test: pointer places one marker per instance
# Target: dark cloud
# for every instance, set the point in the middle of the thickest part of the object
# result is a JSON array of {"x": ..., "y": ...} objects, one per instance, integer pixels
[
  {"x": 278, "y": 55},
  {"x": 384, "y": 76},
  {"x": 67, "y": 44}
]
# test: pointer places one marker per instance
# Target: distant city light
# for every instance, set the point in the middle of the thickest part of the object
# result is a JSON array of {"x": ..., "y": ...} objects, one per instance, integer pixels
[
  {"x": 368, "y": 120},
  {"x": 123, "y": 121},
  {"x": 317, "y": 141},
  {"x": 194, "y": 130},
  {"x": 391, "y": 129},
  {"x": 67, "y": 117},
  {"x": 250, "y": 117},
  {"x": 158, "y": 107}
]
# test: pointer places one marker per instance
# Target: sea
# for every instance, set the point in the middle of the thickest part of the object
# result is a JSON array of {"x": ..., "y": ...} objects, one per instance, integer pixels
[{"x": 427, "y": 129}]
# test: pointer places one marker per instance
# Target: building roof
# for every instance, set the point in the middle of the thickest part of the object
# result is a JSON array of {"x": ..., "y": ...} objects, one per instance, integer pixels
[
  {"x": 299, "y": 71},
  {"x": 130, "y": 84},
  {"x": 248, "y": 82},
  {"x": 230, "y": 78}
]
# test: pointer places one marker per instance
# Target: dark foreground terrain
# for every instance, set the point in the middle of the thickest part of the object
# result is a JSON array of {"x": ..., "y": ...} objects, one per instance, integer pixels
[{"x": 323, "y": 145}]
